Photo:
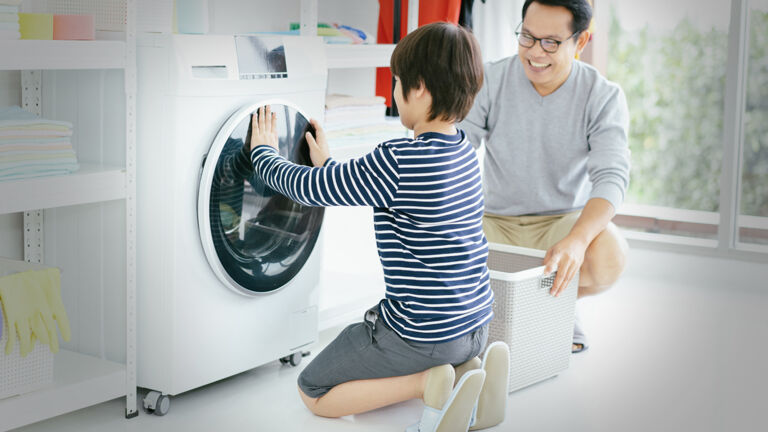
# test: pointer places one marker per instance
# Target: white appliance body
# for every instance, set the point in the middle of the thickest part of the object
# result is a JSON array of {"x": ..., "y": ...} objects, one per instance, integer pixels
[{"x": 194, "y": 327}]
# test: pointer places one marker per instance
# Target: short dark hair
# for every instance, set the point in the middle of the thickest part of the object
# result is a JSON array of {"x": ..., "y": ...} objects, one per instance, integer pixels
[
  {"x": 581, "y": 11},
  {"x": 447, "y": 59}
]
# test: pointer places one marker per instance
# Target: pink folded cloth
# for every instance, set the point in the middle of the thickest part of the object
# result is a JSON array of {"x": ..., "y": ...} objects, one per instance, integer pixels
[{"x": 73, "y": 27}]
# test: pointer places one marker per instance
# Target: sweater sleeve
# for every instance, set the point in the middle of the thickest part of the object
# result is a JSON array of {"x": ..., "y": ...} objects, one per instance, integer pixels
[
  {"x": 609, "y": 156},
  {"x": 371, "y": 180},
  {"x": 476, "y": 122}
]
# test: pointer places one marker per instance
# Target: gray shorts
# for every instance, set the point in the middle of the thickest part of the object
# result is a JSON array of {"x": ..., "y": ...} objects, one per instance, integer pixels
[{"x": 370, "y": 349}]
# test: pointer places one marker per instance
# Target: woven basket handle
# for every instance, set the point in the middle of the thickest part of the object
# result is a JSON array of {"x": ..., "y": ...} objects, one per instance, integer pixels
[{"x": 547, "y": 281}]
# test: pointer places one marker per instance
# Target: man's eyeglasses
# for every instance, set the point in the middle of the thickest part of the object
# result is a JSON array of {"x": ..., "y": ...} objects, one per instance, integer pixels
[{"x": 547, "y": 44}]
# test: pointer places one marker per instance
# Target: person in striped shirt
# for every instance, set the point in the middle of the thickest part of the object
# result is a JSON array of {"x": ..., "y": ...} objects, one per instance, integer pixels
[{"x": 427, "y": 201}]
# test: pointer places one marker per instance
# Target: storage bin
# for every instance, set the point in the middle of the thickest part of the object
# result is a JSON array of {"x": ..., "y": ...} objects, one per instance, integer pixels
[
  {"x": 537, "y": 327},
  {"x": 19, "y": 375}
]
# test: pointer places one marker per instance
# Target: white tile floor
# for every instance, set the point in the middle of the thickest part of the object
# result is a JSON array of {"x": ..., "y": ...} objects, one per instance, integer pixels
[{"x": 665, "y": 356}]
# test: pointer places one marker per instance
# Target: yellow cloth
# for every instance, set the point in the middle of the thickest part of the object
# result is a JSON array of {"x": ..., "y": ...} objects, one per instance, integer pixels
[
  {"x": 36, "y": 26},
  {"x": 27, "y": 310},
  {"x": 51, "y": 285},
  {"x": 32, "y": 304}
]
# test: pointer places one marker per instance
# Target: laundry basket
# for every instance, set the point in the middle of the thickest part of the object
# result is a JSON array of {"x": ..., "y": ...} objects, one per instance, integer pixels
[
  {"x": 19, "y": 375},
  {"x": 537, "y": 327}
]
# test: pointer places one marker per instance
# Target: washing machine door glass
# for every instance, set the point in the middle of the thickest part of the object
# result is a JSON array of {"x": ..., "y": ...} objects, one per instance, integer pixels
[{"x": 259, "y": 238}]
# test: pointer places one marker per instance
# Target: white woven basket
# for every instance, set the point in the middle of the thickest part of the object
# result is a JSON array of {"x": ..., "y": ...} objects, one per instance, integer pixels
[
  {"x": 19, "y": 375},
  {"x": 537, "y": 327}
]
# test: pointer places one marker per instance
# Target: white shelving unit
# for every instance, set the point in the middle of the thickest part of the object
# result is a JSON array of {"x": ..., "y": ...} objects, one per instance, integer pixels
[
  {"x": 354, "y": 56},
  {"x": 80, "y": 380},
  {"x": 90, "y": 184},
  {"x": 60, "y": 55},
  {"x": 358, "y": 56}
]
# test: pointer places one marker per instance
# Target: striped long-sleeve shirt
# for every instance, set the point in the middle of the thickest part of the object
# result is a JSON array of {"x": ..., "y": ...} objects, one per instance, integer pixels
[{"x": 428, "y": 206}]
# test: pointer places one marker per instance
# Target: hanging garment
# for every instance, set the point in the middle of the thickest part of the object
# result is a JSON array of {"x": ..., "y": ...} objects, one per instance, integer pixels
[
  {"x": 429, "y": 11},
  {"x": 493, "y": 24},
  {"x": 465, "y": 16}
]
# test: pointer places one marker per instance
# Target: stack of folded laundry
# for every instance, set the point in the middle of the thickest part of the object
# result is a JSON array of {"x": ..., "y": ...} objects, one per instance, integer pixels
[
  {"x": 34, "y": 310},
  {"x": 359, "y": 121},
  {"x": 9, "y": 19},
  {"x": 338, "y": 33},
  {"x": 34, "y": 147}
]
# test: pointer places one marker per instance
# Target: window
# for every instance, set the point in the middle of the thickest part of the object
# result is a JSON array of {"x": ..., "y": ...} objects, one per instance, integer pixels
[
  {"x": 672, "y": 67},
  {"x": 673, "y": 60},
  {"x": 753, "y": 216}
]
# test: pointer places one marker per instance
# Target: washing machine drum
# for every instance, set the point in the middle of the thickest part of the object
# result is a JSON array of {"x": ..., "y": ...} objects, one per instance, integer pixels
[{"x": 255, "y": 239}]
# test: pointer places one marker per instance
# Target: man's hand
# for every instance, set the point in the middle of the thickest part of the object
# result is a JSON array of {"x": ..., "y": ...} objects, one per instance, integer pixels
[
  {"x": 318, "y": 149},
  {"x": 264, "y": 128},
  {"x": 567, "y": 256}
]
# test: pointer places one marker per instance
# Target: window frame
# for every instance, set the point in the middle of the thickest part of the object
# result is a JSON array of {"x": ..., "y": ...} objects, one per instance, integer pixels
[{"x": 728, "y": 219}]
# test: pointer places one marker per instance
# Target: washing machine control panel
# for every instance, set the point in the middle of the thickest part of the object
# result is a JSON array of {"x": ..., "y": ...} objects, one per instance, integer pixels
[
  {"x": 260, "y": 57},
  {"x": 270, "y": 63}
]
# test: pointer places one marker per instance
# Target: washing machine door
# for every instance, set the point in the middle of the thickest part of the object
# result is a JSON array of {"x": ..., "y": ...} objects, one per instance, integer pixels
[{"x": 256, "y": 240}]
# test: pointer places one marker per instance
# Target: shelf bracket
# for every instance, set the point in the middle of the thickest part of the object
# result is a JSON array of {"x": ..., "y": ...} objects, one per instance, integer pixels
[{"x": 31, "y": 97}]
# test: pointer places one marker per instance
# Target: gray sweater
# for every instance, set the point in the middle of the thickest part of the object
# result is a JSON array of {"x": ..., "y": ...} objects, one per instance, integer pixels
[{"x": 549, "y": 155}]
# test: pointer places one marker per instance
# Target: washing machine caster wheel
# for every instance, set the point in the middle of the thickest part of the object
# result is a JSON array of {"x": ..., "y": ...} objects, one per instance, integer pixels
[
  {"x": 156, "y": 403},
  {"x": 295, "y": 358}
]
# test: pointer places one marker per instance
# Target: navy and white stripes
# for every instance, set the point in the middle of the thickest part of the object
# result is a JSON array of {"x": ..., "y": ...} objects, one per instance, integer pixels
[{"x": 428, "y": 207}]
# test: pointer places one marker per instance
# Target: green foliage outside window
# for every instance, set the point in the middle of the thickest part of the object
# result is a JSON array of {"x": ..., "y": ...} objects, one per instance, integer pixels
[
  {"x": 675, "y": 86},
  {"x": 754, "y": 199}
]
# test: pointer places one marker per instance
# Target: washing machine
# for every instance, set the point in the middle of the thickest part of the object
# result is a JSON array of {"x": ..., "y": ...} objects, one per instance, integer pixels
[{"x": 227, "y": 269}]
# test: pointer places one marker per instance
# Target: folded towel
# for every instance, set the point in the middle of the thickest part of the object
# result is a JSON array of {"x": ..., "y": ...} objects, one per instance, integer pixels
[
  {"x": 9, "y": 35},
  {"x": 16, "y": 122},
  {"x": 9, "y": 17},
  {"x": 9, "y": 9},
  {"x": 33, "y": 142},
  {"x": 9, "y": 26},
  {"x": 10, "y": 2},
  {"x": 52, "y": 156},
  {"x": 8, "y": 149},
  {"x": 32, "y": 133},
  {"x": 340, "y": 100}
]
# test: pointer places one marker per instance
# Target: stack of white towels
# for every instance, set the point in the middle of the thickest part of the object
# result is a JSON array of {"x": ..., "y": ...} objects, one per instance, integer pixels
[
  {"x": 9, "y": 19},
  {"x": 359, "y": 121},
  {"x": 34, "y": 147}
]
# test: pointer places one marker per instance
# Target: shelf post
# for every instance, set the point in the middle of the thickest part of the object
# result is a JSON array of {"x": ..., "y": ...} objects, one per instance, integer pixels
[
  {"x": 31, "y": 97},
  {"x": 130, "y": 76}
]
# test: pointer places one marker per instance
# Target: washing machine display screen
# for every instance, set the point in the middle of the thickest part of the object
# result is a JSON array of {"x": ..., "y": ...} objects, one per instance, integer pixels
[
  {"x": 261, "y": 57},
  {"x": 261, "y": 238}
]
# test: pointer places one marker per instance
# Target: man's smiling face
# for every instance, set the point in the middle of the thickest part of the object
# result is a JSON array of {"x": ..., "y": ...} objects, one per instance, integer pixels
[{"x": 548, "y": 71}]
